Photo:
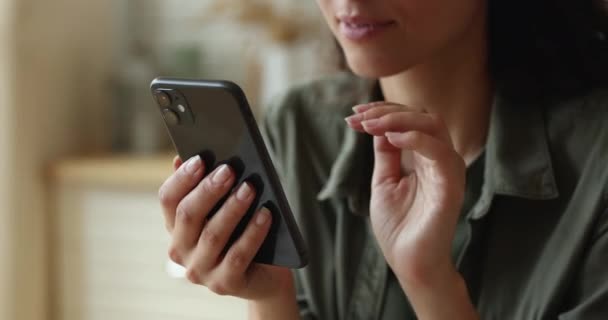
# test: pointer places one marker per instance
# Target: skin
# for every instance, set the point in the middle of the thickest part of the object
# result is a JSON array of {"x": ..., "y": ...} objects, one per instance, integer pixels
[{"x": 432, "y": 68}]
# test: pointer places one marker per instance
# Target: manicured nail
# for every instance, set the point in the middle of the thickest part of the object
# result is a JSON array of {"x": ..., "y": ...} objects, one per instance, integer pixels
[
  {"x": 354, "y": 118},
  {"x": 370, "y": 124},
  {"x": 392, "y": 135},
  {"x": 194, "y": 164},
  {"x": 362, "y": 108},
  {"x": 244, "y": 192},
  {"x": 263, "y": 216},
  {"x": 222, "y": 175}
]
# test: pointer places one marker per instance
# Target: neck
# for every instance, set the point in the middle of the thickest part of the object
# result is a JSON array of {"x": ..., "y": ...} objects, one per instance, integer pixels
[{"x": 455, "y": 85}]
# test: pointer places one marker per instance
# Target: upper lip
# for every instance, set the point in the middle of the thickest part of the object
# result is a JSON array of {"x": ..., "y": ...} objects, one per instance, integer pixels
[{"x": 359, "y": 20}]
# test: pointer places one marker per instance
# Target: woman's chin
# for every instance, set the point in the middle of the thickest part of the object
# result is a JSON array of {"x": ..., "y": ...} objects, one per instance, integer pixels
[{"x": 368, "y": 68}]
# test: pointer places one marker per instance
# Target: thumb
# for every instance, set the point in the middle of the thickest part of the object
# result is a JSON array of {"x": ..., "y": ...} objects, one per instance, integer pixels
[{"x": 387, "y": 162}]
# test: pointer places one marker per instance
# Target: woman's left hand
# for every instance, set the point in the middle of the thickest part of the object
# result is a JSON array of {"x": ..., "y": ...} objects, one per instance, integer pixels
[{"x": 417, "y": 191}]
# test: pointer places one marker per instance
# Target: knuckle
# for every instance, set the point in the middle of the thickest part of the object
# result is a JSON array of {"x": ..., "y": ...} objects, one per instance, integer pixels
[
  {"x": 218, "y": 288},
  {"x": 164, "y": 196},
  {"x": 183, "y": 176},
  {"x": 235, "y": 258},
  {"x": 174, "y": 254},
  {"x": 234, "y": 209},
  {"x": 193, "y": 275},
  {"x": 209, "y": 237},
  {"x": 183, "y": 213},
  {"x": 209, "y": 187}
]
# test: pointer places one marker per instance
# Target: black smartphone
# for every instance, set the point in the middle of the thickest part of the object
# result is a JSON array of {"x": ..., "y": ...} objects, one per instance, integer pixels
[{"x": 213, "y": 119}]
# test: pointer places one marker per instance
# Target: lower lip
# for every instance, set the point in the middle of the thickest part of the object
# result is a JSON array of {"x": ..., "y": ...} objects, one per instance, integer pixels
[{"x": 358, "y": 32}]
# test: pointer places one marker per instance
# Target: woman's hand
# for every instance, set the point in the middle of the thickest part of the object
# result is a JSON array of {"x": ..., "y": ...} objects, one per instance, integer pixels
[
  {"x": 198, "y": 243},
  {"x": 417, "y": 194}
]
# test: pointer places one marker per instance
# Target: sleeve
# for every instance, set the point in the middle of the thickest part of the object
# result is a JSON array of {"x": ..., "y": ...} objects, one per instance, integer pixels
[
  {"x": 591, "y": 288},
  {"x": 274, "y": 131}
]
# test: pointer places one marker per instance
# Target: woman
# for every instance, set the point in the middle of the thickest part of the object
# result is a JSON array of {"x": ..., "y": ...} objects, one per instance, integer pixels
[{"x": 477, "y": 190}]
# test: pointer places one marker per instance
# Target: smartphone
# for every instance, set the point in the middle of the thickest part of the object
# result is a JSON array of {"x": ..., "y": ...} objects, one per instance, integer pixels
[{"x": 213, "y": 119}]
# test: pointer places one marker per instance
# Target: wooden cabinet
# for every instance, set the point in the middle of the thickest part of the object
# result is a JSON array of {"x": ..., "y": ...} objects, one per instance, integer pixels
[{"x": 109, "y": 247}]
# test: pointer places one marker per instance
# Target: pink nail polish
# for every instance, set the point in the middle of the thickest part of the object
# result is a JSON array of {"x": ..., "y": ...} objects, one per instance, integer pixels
[
  {"x": 370, "y": 124},
  {"x": 262, "y": 217},
  {"x": 194, "y": 164},
  {"x": 244, "y": 192},
  {"x": 362, "y": 108},
  {"x": 354, "y": 118},
  {"x": 222, "y": 175},
  {"x": 392, "y": 135}
]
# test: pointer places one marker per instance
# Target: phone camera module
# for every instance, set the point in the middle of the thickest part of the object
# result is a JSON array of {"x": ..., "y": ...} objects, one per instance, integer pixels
[
  {"x": 163, "y": 99},
  {"x": 170, "y": 117}
]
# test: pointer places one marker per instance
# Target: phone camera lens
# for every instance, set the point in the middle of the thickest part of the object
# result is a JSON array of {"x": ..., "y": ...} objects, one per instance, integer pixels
[
  {"x": 171, "y": 117},
  {"x": 163, "y": 99}
]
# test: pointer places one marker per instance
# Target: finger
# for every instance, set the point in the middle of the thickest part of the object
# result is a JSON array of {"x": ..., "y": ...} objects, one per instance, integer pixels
[
  {"x": 427, "y": 146},
  {"x": 375, "y": 111},
  {"x": 387, "y": 158},
  {"x": 177, "y": 186},
  {"x": 407, "y": 121},
  {"x": 444, "y": 158},
  {"x": 387, "y": 162},
  {"x": 218, "y": 230},
  {"x": 194, "y": 208},
  {"x": 240, "y": 256},
  {"x": 177, "y": 162},
  {"x": 364, "y": 107}
]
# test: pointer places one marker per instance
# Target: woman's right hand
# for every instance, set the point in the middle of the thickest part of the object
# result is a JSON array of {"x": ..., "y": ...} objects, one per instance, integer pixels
[{"x": 198, "y": 243}]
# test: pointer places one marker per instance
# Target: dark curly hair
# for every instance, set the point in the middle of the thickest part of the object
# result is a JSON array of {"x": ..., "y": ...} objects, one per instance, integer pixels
[
  {"x": 558, "y": 47},
  {"x": 545, "y": 48}
]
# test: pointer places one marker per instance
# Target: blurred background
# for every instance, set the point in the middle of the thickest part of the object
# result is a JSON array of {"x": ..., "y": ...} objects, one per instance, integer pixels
[{"x": 83, "y": 150}]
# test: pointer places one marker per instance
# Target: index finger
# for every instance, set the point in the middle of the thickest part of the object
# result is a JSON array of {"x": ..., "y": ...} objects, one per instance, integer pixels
[
  {"x": 177, "y": 162},
  {"x": 177, "y": 186}
]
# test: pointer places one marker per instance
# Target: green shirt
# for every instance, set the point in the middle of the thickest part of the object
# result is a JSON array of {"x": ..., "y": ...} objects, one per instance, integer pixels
[{"x": 534, "y": 243}]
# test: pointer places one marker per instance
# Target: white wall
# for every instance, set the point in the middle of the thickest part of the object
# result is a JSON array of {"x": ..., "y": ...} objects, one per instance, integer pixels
[
  {"x": 55, "y": 60},
  {"x": 61, "y": 60},
  {"x": 6, "y": 242}
]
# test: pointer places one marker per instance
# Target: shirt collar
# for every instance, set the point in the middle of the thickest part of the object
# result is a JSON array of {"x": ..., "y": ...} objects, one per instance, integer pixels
[
  {"x": 518, "y": 151},
  {"x": 351, "y": 172},
  {"x": 517, "y": 158},
  {"x": 518, "y": 161}
]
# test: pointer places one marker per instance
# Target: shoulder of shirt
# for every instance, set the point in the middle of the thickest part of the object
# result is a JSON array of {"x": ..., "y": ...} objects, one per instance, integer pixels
[
  {"x": 332, "y": 96},
  {"x": 583, "y": 121},
  {"x": 585, "y": 113}
]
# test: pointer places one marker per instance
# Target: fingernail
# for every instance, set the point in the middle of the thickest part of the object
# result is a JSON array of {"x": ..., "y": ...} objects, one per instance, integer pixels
[
  {"x": 370, "y": 124},
  {"x": 354, "y": 118},
  {"x": 222, "y": 175},
  {"x": 262, "y": 217},
  {"x": 194, "y": 164},
  {"x": 392, "y": 135},
  {"x": 362, "y": 107},
  {"x": 244, "y": 192}
]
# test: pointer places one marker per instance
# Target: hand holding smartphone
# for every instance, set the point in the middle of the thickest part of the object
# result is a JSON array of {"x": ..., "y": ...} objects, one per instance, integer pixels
[{"x": 212, "y": 119}]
